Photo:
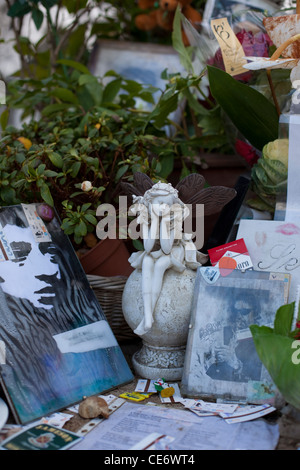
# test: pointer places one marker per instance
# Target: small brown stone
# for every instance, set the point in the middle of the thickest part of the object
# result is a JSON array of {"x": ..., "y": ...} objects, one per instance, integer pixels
[{"x": 92, "y": 407}]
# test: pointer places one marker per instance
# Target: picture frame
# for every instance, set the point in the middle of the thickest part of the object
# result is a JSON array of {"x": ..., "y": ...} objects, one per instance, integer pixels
[
  {"x": 221, "y": 361},
  {"x": 226, "y": 8},
  {"x": 141, "y": 62},
  {"x": 274, "y": 246},
  {"x": 56, "y": 344}
]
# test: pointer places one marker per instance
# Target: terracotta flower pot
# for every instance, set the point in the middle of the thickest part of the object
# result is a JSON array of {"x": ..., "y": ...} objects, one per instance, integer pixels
[{"x": 108, "y": 258}]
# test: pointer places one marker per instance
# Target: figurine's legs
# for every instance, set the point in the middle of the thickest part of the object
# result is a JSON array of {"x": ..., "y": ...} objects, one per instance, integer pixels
[
  {"x": 152, "y": 278},
  {"x": 147, "y": 277},
  {"x": 161, "y": 265},
  {"x": 140, "y": 329}
]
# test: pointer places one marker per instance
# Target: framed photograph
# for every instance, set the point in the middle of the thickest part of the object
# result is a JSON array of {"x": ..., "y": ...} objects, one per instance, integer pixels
[
  {"x": 56, "y": 345},
  {"x": 227, "y": 8},
  {"x": 274, "y": 246},
  {"x": 141, "y": 62},
  {"x": 221, "y": 359}
]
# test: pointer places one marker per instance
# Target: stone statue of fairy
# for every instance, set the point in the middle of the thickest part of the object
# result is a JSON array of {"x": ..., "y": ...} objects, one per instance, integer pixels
[{"x": 161, "y": 210}]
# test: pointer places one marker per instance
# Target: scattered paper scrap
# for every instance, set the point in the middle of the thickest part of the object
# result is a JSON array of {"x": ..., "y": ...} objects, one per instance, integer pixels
[
  {"x": 154, "y": 441},
  {"x": 203, "y": 408},
  {"x": 36, "y": 224},
  {"x": 187, "y": 402},
  {"x": 8, "y": 430},
  {"x": 56, "y": 419},
  {"x": 230, "y": 412},
  {"x": 145, "y": 385},
  {"x": 203, "y": 413},
  {"x": 41, "y": 437},
  {"x": 191, "y": 405},
  {"x": 247, "y": 413}
]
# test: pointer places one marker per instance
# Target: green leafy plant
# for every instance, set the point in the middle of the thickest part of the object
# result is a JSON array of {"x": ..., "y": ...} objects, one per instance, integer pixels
[
  {"x": 50, "y": 159},
  {"x": 87, "y": 21},
  {"x": 77, "y": 222},
  {"x": 87, "y": 129},
  {"x": 277, "y": 349},
  {"x": 250, "y": 111},
  {"x": 91, "y": 131},
  {"x": 269, "y": 176}
]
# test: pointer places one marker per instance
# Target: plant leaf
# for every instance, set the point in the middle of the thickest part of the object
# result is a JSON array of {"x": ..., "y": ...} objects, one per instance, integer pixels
[
  {"x": 278, "y": 354},
  {"x": 37, "y": 16},
  {"x": 284, "y": 319},
  {"x": 80, "y": 229},
  {"x": 252, "y": 114},
  {"x": 121, "y": 172},
  {"x": 75, "y": 65},
  {"x": 91, "y": 219},
  {"x": 4, "y": 119},
  {"x": 178, "y": 44},
  {"x": 46, "y": 195},
  {"x": 56, "y": 159},
  {"x": 75, "y": 169},
  {"x": 54, "y": 108},
  {"x": 65, "y": 95},
  {"x": 111, "y": 90},
  {"x": 162, "y": 111},
  {"x": 19, "y": 9}
]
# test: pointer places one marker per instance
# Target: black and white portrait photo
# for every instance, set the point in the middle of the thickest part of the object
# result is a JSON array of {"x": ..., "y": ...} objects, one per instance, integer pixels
[
  {"x": 56, "y": 344},
  {"x": 221, "y": 359}
]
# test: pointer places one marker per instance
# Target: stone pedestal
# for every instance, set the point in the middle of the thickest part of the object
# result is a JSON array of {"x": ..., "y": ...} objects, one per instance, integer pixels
[{"x": 163, "y": 351}]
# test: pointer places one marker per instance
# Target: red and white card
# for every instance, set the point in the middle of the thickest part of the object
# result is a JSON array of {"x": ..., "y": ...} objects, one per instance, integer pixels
[{"x": 232, "y": 255}]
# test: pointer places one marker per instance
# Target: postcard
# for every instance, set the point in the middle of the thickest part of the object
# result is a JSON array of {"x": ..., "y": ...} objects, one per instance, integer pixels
[
  {"x": 236, "y": 251},
  {"x": 221, "y": 359},
  {"x": 274, "y": 246},
  {"x": 56, "y": 345},
  {"x": 41, "y": 437}
]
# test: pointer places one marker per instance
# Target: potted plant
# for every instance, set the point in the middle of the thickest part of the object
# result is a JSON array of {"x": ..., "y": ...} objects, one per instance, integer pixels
[
  {"x": 84, "y": 135},
  {"x": 278, "y": 349},
  {"x": 74, "y": 157},
  {"x": 87, "y": 138}
]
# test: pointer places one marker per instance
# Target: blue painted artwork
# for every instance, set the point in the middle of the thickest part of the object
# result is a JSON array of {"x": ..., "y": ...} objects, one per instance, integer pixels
[{"x": 56, "y": 344}]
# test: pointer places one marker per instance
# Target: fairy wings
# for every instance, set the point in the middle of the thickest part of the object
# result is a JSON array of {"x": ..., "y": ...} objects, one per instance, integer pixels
[{"x": 191, "y": 190}]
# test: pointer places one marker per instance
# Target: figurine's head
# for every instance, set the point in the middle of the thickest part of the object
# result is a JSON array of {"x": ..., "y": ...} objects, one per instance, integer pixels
[
  {"x": 162, "y": 197},
  {"x": 161, "y": 193}
]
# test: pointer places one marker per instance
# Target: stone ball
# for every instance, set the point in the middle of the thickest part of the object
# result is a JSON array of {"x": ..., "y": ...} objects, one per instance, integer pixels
[{"x": 173, "y": 309}]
